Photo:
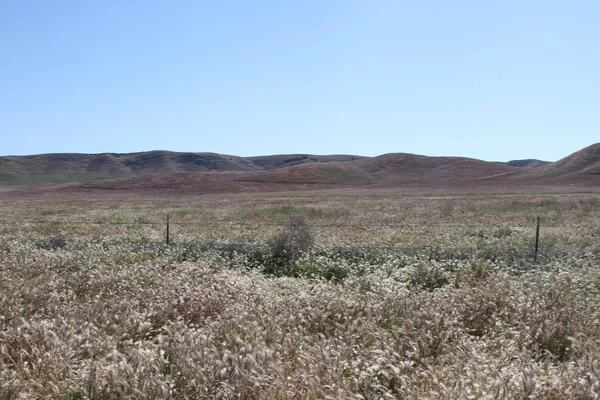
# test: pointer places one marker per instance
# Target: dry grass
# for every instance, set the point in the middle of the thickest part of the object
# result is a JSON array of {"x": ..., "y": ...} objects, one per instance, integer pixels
[{"x": 397, "y": 298}]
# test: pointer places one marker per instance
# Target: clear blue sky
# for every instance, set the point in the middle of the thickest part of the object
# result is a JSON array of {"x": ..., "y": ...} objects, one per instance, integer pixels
[{"x": 495, "y": 80}]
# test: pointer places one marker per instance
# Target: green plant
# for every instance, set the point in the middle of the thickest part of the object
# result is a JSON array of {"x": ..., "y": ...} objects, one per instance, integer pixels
[
  {"x": 428, "y": 277},
  {"x": 295, "y": 238},
  {"x": 54, "y": 242}
]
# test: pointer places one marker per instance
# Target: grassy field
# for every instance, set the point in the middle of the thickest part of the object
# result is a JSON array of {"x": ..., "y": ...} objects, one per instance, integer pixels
[{"x": 297, "y": 296}]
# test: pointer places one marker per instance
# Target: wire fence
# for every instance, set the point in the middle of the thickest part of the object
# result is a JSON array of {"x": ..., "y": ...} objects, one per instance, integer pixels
[
  {"x": 170, "y": 222},
  {"x": 533, "y": 240},
  {"x": 173, "y": 222}
]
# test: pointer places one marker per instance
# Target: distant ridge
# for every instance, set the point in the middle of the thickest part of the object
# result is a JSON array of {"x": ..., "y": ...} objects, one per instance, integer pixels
[
  {"x": 163, "y": 171},
  {"x": 288, "y": 160},
  {"x": 527, "y": 163},
  {"x": 74, "y": 167}
]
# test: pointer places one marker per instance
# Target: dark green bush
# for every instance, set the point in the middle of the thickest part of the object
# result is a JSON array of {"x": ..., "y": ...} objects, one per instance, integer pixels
[
  {"x": 428, "y": 277},
  {"x": 54, "y": 242},
  {"x": 295, "y": 238}
]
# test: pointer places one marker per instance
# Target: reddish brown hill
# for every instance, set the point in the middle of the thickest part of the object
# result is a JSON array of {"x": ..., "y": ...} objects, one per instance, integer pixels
[
  {"x": 167, "y": 161},
  {"x": 53, "y": 168},
  {"x": 585, "y": 161},
  {"x": 288, "y": 160},
  {"x": 406, "y": 168},
  {"x": 579, "y": 171},
  {"x": 581, "y": 168},
  {"x": 333, "y": 173},
  {"x": 387, "y": 171}
]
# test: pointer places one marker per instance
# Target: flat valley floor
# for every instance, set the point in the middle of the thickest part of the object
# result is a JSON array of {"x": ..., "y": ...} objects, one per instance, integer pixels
[{"x": 347, "y": 294}]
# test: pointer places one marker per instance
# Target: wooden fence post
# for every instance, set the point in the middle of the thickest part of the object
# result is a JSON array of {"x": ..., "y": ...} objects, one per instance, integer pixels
[
  {"x": 537, "y": 239},
  {"x": 167, "y": 228}
]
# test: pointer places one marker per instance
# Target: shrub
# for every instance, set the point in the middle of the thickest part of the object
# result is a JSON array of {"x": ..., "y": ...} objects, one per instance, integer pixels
[
  {"x": 295, "y": 238},
  {"x": 331, "y": 270},
  {"x": 428, "y": 277},
  {"x": 54, "y": 242}
]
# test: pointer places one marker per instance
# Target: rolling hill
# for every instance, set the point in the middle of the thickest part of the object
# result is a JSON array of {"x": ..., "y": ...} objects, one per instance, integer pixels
[
  {"x": 585, "y": 161},
  {"x": 64, "y": 167},
  {"x": 160, "y": 171}
]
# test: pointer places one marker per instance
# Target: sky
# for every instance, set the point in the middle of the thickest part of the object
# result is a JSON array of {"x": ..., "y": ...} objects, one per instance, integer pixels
[{"x": 494, "y": 80}]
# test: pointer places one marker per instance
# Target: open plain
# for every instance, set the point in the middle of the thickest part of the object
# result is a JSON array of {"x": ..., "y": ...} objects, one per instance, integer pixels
[{"x": 300, "y": 295}]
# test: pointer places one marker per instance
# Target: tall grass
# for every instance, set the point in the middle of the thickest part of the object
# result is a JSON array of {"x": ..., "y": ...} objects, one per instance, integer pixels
[{"x": 110, "y": 312}]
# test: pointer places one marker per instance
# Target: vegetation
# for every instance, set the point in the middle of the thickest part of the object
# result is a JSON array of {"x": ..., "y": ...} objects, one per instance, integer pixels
[{"x": 300, "y": 297}]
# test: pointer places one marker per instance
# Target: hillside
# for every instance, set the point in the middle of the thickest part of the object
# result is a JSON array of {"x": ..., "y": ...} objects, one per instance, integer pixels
[
  {"x": 580, "y": 169},
  {"x": 161, "y": 171},
  {"x": 412, "y": 168},
  {"x": 288, "y": 160},
  {"x": 383, "y": 172},
  {"x": 60, "y": 168},
  {"x": 585, "y": 161},
  {"x": 529, "y": 163}
]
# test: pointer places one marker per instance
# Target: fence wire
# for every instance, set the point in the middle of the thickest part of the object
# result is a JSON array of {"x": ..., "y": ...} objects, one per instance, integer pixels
[{"x": 280, "y": 224}]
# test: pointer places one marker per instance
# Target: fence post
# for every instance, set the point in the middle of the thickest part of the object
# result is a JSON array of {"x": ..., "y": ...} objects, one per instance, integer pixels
[
  {"x": 167, "y": 229},
  {"x": 537, "y": 239}
]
